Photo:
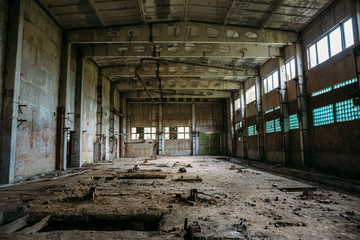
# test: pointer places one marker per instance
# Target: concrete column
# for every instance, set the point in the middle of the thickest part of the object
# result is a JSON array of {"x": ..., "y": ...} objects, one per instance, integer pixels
[
  {"x": 228, "y": 123},
  {"x": 244, "y": 137},
  {"x": 123, "y": 126},
  {"x": 193, "y": 129},
  {"x": 356, "y": 21},
  {"x": 79, "y": 111},
  {"x": 99, "y": 118},
  {"x": 112, "y": 122},
  {"x": 284, "y": 110},
  {"x": 260, "y": 119},
  {"x": 161, "y": 130},
  {"x": 302, "y": 107},
  {"x": 63, "y": 116},
  {"x": 128, "y": 124},
  {"x": 11, "y": 90}
]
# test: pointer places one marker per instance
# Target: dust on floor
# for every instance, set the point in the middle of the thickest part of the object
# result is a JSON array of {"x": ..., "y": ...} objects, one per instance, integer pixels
[{"x": 175, "y": 198}]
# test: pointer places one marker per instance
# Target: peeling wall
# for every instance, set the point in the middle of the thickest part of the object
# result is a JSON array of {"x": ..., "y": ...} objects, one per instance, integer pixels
[
  {"x": 106, "y": 115},
  {"x": 39, "y": 88},
  {"x": 91, "y": 72}
]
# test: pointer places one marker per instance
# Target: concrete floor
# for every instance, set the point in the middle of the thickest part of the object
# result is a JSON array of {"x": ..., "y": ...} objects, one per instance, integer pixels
[{"x": 150, "y": 201}]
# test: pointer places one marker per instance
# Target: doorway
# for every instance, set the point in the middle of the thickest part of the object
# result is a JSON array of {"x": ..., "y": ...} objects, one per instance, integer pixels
[{"x": 209, "y": 143}]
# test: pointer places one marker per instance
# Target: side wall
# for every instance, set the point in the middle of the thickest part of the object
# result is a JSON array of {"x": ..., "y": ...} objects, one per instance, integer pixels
[{"x": 39, "y": 88}]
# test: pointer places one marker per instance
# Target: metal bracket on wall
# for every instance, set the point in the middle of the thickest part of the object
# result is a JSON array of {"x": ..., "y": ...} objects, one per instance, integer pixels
[{"x": 21, "y": 121}]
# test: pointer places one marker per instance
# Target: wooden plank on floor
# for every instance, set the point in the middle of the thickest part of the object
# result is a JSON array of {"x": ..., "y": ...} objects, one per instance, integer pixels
[
  {"x": 14, "y": 226},
  {"x": 38, "y": 226}
]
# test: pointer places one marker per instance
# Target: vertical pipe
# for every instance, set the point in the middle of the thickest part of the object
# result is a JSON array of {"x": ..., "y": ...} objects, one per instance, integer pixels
[
  {"x": 193, "y": 129},
  {"x": 79, "y": 85}
]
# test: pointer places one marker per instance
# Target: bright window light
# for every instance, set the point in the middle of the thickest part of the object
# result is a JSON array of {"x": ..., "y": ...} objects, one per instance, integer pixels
[
  {"x": 322, "y": 49},
  {"x": 312, "y": 56},
  {"x": 348, "y": 33},
  {"x": 250, "y": 95},
  {"x": 335, "y": 41}
]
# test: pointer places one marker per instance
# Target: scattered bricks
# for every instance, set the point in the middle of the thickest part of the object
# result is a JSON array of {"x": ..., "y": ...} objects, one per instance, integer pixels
[{"x": 233, "y": 167}]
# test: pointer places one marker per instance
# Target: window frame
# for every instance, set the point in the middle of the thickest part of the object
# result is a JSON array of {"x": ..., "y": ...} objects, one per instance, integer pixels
[
  {"x": 265, "y": 80},
  {"x": 340, "y": 25}
]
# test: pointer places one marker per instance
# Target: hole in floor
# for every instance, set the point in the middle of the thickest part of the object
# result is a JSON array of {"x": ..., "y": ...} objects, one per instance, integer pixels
[{"x": 94, "y": 223}]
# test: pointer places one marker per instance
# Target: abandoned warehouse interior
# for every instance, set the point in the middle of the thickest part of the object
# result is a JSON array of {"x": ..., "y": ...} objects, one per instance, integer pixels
[{"x": 180, "y": 119}]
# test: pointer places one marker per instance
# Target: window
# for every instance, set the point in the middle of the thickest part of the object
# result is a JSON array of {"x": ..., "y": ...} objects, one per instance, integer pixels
[
  {"x": 137, "y": 133},
  {"x": 290, "y": 69},
  {"x": 177, "y": 133},
  {"x": 294, "y": 121},
  {"x": 336, "y": 86},
  {"x": 238, "y": 126},
  {"x": 252, "y": 130},
  {"x": 331, "y": 44},
  {"x": 323, "y": 115},
  {"x": 346, "y": 111},
  {"x": 273, "y": 126},
  {"x": 250, "y": 95},
  {"x": 237, "y": 104},
  {"x": 272, "y": 109},
  {"x": 335, "y": 41},
  {"x": 322, "y": 50},
  {"x": 183, "y": 133},
  {"x": 348, "y": 33},
  {"x": 271, "y": 82},
  {"x": 149, "y": 133}
]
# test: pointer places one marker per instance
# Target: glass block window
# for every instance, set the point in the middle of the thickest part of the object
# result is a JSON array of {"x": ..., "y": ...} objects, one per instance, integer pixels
[
  {"x": 149, "y": 132},
  {"x": 331, "y": 43},
  {"x": 271, "y": 81},
  {"x": 277, "y": 125},
  {"x": 323, "y": 115},
  {"x": 346, "y": 111},
  {"x": 250, "y": 95},
  {"x": 277, "y": 108},
  {"x": 294, "y": 121},
  {"x": 322, "y": 91},
  {"x": 270, "y": 126},
  {"x": 339, "y": 85},
  {"x": 269, "y": 111},
  {"x": 290, "y": 69},
  {"x": 237, "y": 104},
  {"x": 252, "y": 130}
]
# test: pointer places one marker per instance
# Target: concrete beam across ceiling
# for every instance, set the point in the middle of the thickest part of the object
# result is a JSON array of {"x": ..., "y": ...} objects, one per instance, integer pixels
[
  {"x": 178, "y": 94},
  {"x": 182, "y": 32},
  {"x": 176, "y": 69},
  {"x": 182, "y": 50},
  {"x": 177, "y": 84}
]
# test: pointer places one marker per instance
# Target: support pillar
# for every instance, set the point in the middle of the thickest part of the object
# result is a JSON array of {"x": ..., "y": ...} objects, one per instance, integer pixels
[
  {"x": 79, "y": 111},
  {"x": 193, "y": 129},
  {"x": 244, "y": 138},
  {"x": 99, "y": 118},
  {"x": 123, "y": 127},
  {"x": 260, "y": 119},
  {"x": 11, "y": 91},
  {"x": 112, "y": 122},
  {"x": 161, "y": 135},
  {"x": 302, "y": 107},
  {"x": 284, "y": 110}
]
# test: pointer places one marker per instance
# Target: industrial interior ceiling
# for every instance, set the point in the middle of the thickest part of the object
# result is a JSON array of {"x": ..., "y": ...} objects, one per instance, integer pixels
[{"x": 207, "y": 48}]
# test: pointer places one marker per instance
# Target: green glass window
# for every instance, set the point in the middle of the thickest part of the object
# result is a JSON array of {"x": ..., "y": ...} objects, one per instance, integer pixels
[
  {"x": 294, "y": 121},
  {"x": 323, "y": 115},
  {"x": 346, "y": 111}
]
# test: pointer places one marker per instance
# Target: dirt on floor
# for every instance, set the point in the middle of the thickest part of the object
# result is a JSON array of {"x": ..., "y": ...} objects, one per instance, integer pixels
[{"x": 175, "y": 198}]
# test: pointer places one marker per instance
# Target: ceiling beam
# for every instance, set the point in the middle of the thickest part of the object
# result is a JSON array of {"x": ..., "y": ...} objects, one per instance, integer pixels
[
  {"x": 228, "y": 13},
  {"x": 92, "y": 3},
  {"x": 140, "y": 34},
  {"x": 273, "y": 11},
  {"x": 142, "y": 11},
  {"x": 181, "y": 70},
  {"x": 178, "y": 94},
  {"x": 176, "y": 84},
  {"x": 182, "y": 50}
]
